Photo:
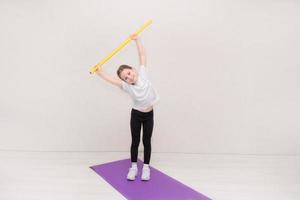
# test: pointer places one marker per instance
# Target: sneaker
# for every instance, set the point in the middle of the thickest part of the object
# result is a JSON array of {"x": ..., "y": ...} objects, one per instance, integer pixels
[
  {"x": 132, "y": 173},
  {"x": 146, "y": 174}
]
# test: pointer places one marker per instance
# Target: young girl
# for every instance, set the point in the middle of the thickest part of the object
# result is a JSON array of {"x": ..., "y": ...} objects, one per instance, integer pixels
[{"x": 144, "y": 96}]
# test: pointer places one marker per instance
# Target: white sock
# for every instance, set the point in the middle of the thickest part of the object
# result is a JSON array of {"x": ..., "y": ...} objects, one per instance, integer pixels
[
  {"x": 134, "y": 165},
  {"x": 146, "y": 165}
]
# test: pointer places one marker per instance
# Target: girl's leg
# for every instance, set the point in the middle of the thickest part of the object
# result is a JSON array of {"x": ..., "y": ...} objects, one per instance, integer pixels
[
  {"x": 135, "y": 126},
  {"x": 147, "y": 133}
]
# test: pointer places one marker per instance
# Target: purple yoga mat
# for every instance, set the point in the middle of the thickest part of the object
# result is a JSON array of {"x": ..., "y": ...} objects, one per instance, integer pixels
[{"x": 160, "y": 187}]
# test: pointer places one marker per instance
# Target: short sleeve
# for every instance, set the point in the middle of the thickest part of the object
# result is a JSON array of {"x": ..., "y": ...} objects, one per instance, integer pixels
[{"x": 125, "y": 86}]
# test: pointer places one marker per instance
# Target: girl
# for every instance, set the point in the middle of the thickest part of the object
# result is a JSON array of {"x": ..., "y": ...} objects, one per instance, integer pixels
[{"x": 144, "y": 96}]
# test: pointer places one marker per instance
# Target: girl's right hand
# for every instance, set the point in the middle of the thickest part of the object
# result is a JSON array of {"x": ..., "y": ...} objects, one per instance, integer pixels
[
  {"x": 134, "y": 36},
  {"x": 99, "y": 69}
]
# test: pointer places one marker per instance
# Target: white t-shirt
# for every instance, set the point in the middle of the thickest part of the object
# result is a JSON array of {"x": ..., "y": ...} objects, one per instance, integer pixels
[{"x": 142, "y": 92}]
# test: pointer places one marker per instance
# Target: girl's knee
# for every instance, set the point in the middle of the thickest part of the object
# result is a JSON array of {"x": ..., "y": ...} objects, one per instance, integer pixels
[
  {"x": 146, "y": 142},
  {"x": 135, "y": 143}
]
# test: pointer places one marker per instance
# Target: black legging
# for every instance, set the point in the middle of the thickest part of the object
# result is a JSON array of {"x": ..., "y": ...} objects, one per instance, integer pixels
[{"x": 137, "y": 119}]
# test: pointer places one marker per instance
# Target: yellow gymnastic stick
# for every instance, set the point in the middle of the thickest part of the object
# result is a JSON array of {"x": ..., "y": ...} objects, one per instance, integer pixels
[{"x": 96, "y": 67}]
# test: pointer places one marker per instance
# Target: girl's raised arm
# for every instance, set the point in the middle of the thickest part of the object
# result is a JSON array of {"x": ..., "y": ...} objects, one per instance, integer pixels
[
  {"x": 108, "y": 78},
  {"x": 141, "y": 49}
]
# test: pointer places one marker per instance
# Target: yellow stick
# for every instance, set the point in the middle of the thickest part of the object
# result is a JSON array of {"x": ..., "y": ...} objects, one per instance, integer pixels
[{"x": 96, "y": 67}]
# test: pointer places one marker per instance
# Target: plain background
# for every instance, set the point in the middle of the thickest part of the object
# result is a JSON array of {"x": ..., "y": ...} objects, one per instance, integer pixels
[{"x": 228, "y": 74}]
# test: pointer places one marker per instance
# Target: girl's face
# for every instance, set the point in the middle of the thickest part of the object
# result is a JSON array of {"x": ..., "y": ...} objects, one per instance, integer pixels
[{"x": 129, "y": 76}]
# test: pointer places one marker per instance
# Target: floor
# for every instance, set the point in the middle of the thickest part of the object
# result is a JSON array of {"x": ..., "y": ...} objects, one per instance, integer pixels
[{"x": 67, "y": 176}]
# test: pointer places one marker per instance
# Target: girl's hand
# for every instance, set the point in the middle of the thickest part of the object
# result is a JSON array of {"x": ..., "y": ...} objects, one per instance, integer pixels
[
  {"x": 99, "y": 69},
  {"x": 134, "y": 37}
]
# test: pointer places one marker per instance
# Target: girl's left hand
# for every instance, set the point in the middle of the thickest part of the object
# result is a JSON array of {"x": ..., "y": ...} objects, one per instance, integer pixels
[{"x": 134, "y": 37}]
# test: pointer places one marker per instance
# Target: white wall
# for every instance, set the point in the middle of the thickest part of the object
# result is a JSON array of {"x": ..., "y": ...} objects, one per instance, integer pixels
[{"x": 228, "y": 73}]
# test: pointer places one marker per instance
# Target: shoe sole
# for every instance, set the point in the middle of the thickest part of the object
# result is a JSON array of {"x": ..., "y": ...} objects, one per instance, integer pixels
[
  {"x": 131, "y": 179},
  {"x": 145, "y": 179}
]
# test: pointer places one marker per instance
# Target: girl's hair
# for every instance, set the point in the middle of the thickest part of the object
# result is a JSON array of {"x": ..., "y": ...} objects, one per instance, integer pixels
[{"x": 121, "y": 68}]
